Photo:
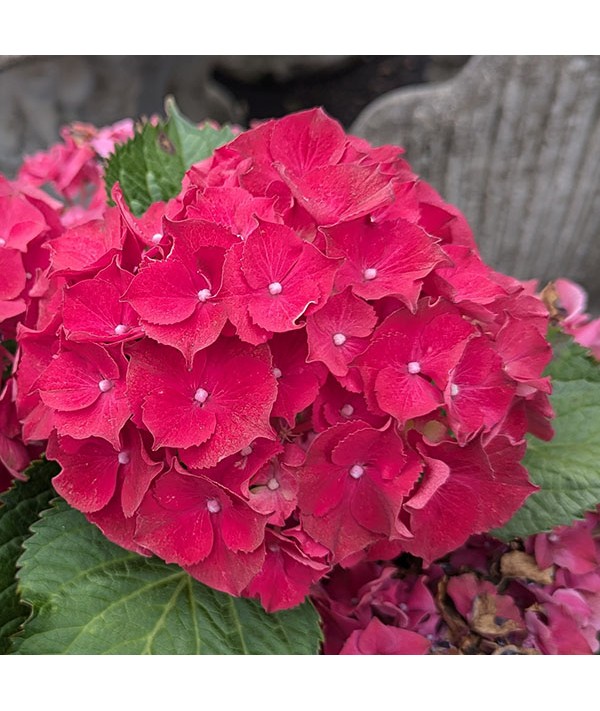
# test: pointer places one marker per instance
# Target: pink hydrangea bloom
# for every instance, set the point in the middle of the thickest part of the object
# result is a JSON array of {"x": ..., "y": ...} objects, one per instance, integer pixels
[{"x": 539, "y": 597}]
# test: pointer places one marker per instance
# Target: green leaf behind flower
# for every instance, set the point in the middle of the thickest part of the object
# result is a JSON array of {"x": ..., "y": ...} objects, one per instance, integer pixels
[
  {"x": 91, "y": 597},
  {"x": 568, "y": 467},
  {"x": 150, "y": 166},
  {"x": 19, "y": 508},
  {"x": 571, "y": 362}
]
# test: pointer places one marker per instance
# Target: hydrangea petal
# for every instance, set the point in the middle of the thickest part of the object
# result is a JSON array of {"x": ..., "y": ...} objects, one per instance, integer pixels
[
  {"x": 340, "y": 193},
  {"x": 89, "y": 471},
  {"x": 378, "y": 638},
  {"x": 307, "y": 140},
  {"x": 20, "y": 221},
  {"x": 227, "y": 570},
  {"x": 387, "y": 258},
  {"x": 71, "y": 381},
  {"x": 12, "y": 274},
  {"x": 93, "y": 309},
  {"x": 298, "y": 382},
  {"x": 337, "y": 332},
  {"x": 176, "y": 419},
  {"x": 287, "y": 572}
]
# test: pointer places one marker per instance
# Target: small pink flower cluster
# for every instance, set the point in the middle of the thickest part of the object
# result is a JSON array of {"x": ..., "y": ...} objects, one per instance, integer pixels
[
  {"x": 73, "y": 169},
  {"x": 29, "y": 219},
  {"x": 485, "y": 598},
  {"x": 571, "y": 303},
  {"x": 299, "y": 361}
]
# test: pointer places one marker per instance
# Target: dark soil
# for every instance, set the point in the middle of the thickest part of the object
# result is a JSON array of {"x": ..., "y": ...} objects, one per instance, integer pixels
[{"x": 342, "y": 92}]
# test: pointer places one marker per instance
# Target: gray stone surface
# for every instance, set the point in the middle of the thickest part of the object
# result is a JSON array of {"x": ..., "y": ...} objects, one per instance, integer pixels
[
  {"x": 40, "y": 94},
  {"x": 442, "y": 67},
  {"x": 514, "y": 142}
]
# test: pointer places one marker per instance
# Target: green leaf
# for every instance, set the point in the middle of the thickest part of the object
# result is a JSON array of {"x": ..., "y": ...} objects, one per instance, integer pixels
[
  {"x": 20, "y": 507},
  {"x": 191, "y": 143},
  {"x": 150, "y": 167},
  {"x": 572, "y": 362},
  {"x": 568, "y": 467},
  {"x": 91, "y": 597}
]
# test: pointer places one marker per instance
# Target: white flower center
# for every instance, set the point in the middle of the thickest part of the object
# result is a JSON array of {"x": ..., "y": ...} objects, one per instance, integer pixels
[
  {"x": 157, "y": 238},
  {"x": 454, "y": 390},
  {"x": 552, "y": 537},
  {"x": 339, "y": 339},
  {"x": 277, "y": 373},
  {"x": 204, "y": 294},
  {"x": 273, "y": 547},
  {"x": 121, "y": 329},
  {"x": 347, "y": 410},
  {"x": 246, "y": 452},
  {"x": 2, "y": 242},
  {"x": 105, "y": 385},
  {"x": 370, "y": 273},
  {"x": 213, "y": 506},
  {"x": 414, "y": 367},
  {"x": 275, "y": 288},
  {"x": 201, "y": 395},
  {"x": 123, "y": 457},
  {"x": 356, "y": 471},
  {"x": 272, "y": 484}
]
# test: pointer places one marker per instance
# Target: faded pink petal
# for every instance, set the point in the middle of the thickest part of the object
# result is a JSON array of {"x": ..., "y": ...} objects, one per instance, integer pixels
[{"x": 378, "y": 638}]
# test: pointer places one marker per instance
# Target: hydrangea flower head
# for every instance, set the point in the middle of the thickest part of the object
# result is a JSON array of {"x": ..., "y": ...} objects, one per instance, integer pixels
[{"x": 300, "y": 360}]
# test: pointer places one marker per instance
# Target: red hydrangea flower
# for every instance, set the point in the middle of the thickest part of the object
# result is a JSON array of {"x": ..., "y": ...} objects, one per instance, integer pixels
[
  {"x": 178, "y": 299},
  {"x": 408, "y": 364},
  {"x": 299, "y": 360},
  {"x": 273, "y": 277},
  {"x": 273, "y": 489},
  {"x": 352, "y": 486},
  {"x": 85, "y": 387},
  {"x": 293, "y": 563},
  {"x": 91, "y": 468},
  {"x": 466, "y": 489},
  {"x": 185, "y": 512},
  {"x": 334, "y": 404},
  {"x": 86, "y": 248},
  {"x": 298, "y": 381},
  {"x": 479, "y": 392},
  {"x": 384, "y": 259},
  {"x": 93, "y": 309},
  {"x": 233, "y": 208},
  {"x": 306, "y": 140},
  {"x": 209, "y": 411},
  {"x": 339, "y": 331}
]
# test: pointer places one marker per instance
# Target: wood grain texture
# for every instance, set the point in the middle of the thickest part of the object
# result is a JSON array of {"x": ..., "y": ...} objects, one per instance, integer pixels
[{"x": 514, "y": 142}]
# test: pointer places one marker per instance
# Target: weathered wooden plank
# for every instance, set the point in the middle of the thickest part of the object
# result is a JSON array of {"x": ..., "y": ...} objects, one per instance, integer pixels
[{"x": 515, "y": 143}]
